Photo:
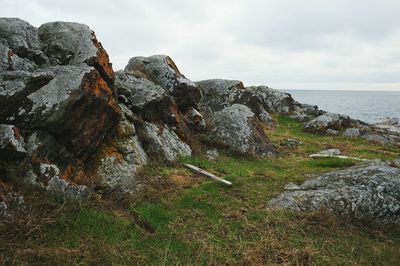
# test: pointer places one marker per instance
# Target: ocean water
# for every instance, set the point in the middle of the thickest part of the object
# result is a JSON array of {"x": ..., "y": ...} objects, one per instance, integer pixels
[{"x": 369, "y": 106}]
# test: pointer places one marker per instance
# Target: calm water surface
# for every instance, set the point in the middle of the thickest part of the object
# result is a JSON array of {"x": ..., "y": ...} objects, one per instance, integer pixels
[{"x": 369, "y": 106}]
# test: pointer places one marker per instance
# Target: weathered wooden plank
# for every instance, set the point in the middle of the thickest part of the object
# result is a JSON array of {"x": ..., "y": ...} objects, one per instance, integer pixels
[{"x": 207, "y": 174}]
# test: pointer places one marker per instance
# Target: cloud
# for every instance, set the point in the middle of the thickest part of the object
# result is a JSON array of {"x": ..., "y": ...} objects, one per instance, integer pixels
[{"x": 287, "y": 44}]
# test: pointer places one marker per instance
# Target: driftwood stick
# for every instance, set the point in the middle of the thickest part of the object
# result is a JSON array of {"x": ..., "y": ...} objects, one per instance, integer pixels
[{"x": 207, "y": 174}]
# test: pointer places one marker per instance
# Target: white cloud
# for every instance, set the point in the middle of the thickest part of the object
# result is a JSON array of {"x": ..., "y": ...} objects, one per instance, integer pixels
[{"x": 288, "y": 44}]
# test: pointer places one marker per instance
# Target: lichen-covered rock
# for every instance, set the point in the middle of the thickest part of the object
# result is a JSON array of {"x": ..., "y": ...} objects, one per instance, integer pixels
[
  {"x": 72, "y": 102},
  {"x": 138, "y": 91},
  {"x": 328, "y": 121},
  {"x": 119, "y": 162},
  {"x": 22, "y": 39},
  {"x": 50, "y": 173},
  {"x": 238, "y": 128},
  {"x": 218, "y": 94},
  {"x": 368, "y": 192},
  {"x": 12, "y": 145},
  {"x": 161, "y": 142},
  {"x": 161, "y": 70},
  {"x": 273, "y": 101},
  {"x": 68, "y": 43},
  {"x": 12, "y": 203}
]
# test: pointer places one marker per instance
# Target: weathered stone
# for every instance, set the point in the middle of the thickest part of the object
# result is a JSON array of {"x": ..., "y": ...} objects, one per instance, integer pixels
[
  {"x": 391, "y": 124},
  {"x": 76, "y": 105},
  {"x": 273, "y": 101},
  {"x": 50, "y": 174},
  {"x": 194, "y": 119},
  {"x": 238, "y": 128},
  {"x": 218, "y": 94},
  {"x": 332, "y": 132},
  {"x": 327, "y": 121},
  {"x": 351, "y": 133},
  {"x": 368, "y": 192},
  {"x": 161, "y": 70},
  {"x": 121, "y": 157},
  {"x": 12, "y": 144},
  {"x": 381, "y": 139},
  {"x": 22, "y": 39},
  {"x": 68, "y": 43},
  {"x": 139, "y": 91},
  {"x": 161, "y": 142}
]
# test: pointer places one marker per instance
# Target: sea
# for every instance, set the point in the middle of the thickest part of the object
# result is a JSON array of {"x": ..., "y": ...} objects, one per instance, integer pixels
[{"x": 368, "y": 106}]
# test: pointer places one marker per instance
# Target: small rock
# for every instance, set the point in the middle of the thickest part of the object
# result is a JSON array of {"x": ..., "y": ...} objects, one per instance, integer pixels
[
  {"x": 330, "y": 152},
  {"x": 12, "y": 144},
  {"x": 351, "y": 133},
  {"x": 331, "y": 132},
  {"x": 212, "y": 154}
]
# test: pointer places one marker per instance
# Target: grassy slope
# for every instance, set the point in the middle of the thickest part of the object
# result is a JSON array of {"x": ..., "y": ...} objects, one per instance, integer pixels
[{"x": 186, "y": 219}]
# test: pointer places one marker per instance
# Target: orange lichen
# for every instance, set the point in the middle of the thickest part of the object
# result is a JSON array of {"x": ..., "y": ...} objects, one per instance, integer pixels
[{"x": 102, "y": 63}]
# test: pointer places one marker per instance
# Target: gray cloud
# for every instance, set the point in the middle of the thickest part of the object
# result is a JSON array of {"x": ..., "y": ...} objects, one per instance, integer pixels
[{"x": 288, "y": 44}]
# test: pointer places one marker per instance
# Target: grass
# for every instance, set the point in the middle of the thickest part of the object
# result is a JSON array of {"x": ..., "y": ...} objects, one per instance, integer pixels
[{"x": 184, "y": 219}]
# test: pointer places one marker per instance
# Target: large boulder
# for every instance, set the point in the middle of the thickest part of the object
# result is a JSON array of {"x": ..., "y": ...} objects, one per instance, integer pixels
[
  {"x": 119, "y": 160},
  {"x": 218, "y": 94},
  {"x": 22, "y": 41},
  {"x": 58, "y": 80},
  {"x": 161, "y": 70},
  {"x": 328, "y": 121},
  {"x": 68, "y": 43},
  {"x": 273, "y": 101},
  {"x": 161, "y": 142},
  {"x": 369, "y": 192},
  {"x": 237, "y": 128}
]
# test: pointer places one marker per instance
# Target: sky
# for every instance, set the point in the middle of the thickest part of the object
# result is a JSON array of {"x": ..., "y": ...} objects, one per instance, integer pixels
[{"x": 285, "y": 44}]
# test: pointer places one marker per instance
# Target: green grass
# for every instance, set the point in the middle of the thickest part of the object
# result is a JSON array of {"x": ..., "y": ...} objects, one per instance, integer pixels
[{"x": 207, "y": 223}]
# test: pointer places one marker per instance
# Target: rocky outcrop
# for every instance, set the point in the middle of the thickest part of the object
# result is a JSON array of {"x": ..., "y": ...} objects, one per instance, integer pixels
[
  {"x": 161, "y": 70},
  {"x": 58, "y": 101},
  {"x": 238, "y": 128},
  {"x": 367, "y": 192},
  {"x": 328, "y": 121}
]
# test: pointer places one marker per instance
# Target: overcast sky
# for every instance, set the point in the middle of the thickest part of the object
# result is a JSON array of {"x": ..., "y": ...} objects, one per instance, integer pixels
[{"x": 285, "y": 44}]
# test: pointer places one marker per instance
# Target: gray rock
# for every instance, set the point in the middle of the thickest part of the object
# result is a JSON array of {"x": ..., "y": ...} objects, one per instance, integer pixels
[
  {"x": 273, "y": 101},
  {"x": 300, "y": 117},
  {"x": 238, "y": 128},
  {"x": 68, "y": 43},
  {"x": 13, "y": 203},
  {"x": 12, "y": 145},
  {"x": 161, "y": 142},
  {"x": 390, "y": 124},
  {"x": 292, "y": 142},
  {"x": 332, "y": 132},
  {"x": 22, "y": 39},
  {"x": 67, "y": 100},
  {"x": 352, "y": 133},
  {"x": 161, "y": 70},
  {"x": 218, "y": 94},
  {"x": 381, "y": 139},
  {"x": 139, "y": 91},
  {"x": 327, "y": 121},
  {"x": 368, "y": 192},
  {"x": 119, "y": 169},
  {"x": 59, "y": 186},
  {"x": 212, "y": 154}
]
